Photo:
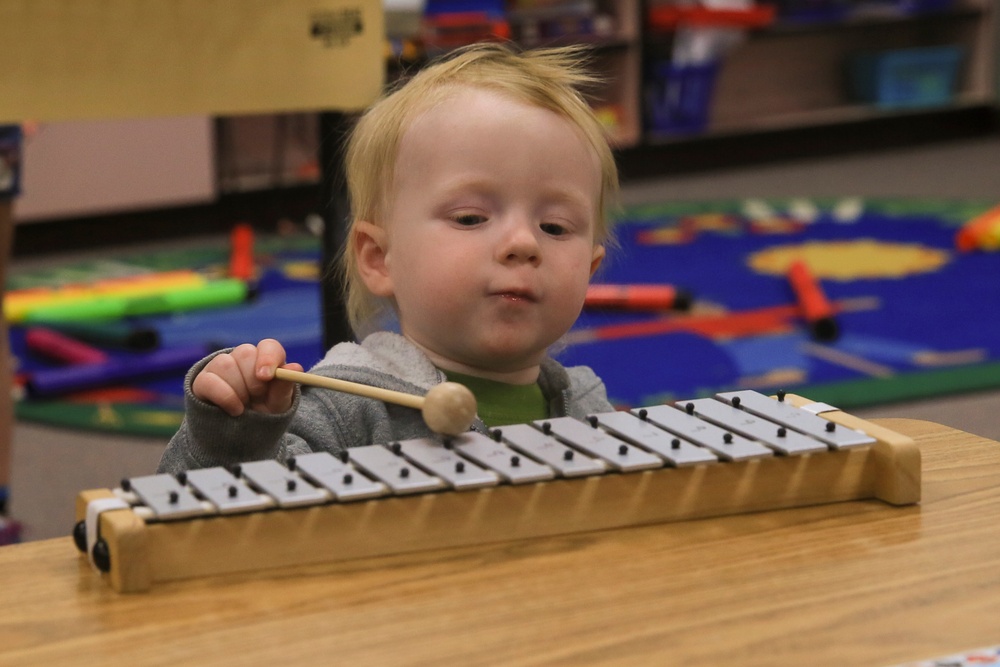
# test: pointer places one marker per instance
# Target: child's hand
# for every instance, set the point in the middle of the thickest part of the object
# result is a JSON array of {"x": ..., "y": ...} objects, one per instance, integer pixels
[{"x": 244, "y": 378}]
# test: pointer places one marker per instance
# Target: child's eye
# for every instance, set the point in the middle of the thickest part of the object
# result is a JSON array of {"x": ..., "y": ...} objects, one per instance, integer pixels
[
  {"x": 553, "y": 229},
  {"x": 469, "y": 219}
]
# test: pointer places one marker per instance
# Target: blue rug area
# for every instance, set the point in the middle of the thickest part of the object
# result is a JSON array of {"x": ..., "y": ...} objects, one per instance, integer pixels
[{"x": 916, "y": 317}]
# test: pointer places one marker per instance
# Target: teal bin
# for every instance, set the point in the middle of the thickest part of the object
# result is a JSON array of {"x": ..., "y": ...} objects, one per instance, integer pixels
[{"x": 906, "y": 78}]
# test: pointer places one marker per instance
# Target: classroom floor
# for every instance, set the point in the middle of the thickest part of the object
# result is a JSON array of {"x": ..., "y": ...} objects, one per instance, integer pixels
[{"x": 51, "y": 465}]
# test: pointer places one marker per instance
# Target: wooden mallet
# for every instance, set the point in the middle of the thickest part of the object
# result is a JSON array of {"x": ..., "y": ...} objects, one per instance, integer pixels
[{"x": 448, "y": 408}]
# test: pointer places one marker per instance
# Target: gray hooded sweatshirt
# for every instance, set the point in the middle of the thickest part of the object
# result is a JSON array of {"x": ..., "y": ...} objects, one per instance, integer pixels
[{"x": 324, "y": 420}]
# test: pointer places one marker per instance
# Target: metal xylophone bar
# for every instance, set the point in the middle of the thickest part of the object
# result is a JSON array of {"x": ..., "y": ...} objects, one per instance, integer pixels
[{"x": 737, "y": 452}]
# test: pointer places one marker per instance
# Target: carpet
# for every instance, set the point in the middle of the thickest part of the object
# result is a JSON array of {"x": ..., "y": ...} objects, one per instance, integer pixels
[{"x": 915, "y": 317}]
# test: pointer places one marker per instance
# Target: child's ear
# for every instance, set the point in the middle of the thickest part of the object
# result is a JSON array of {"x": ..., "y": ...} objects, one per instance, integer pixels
[
  {"x": 370, "y": 251},
  {"x": 598, "y": 257}
]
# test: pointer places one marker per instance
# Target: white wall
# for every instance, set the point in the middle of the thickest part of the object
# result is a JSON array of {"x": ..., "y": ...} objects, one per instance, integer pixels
[{"x": 73, "y": 169}]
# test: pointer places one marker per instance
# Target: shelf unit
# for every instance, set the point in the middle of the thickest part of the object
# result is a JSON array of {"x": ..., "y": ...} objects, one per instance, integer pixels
[
  {"x": 617, "y": 58},
  {"x": 613, "y": 28},
  {"x": 795, "y": 76},
  {"x": 786, "y": 78}
]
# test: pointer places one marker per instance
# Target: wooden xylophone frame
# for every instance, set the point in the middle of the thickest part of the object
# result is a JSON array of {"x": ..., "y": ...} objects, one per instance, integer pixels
[{"x": 142, "y": 554}]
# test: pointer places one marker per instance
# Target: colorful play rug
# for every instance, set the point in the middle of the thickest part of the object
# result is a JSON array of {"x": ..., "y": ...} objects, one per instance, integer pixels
[
  {"x": 915, "y": 317},
  {"x": 137, "y": 388}
]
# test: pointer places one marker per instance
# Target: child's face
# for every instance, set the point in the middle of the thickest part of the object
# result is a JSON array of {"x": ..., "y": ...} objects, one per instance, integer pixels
[{"x": 489, "y": 242}]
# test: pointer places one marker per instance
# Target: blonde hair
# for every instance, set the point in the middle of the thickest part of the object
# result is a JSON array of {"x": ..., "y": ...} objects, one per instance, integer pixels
[{"x": 552, "y": 79}]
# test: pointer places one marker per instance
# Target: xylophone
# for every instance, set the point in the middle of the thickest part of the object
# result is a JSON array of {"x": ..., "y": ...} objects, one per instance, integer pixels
[{"x": 737, "y": 452}]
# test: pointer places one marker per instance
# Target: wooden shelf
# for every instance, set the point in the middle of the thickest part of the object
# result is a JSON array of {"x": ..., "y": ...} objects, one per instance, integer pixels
[
  {"x": 835, "y": 115},
  {"x": 657, "y": 157}
]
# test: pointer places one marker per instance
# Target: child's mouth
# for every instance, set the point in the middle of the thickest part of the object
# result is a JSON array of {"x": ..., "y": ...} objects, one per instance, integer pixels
[{"x": 517, "y": 296}]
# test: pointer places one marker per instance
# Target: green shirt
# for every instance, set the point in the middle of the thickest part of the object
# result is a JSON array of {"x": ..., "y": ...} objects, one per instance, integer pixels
[{"x": 500, "y": 404}]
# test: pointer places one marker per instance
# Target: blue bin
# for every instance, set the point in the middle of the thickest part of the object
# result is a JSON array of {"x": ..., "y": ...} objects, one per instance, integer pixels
[
  {"x": 907, "y": 78},
  {"x": 678, "y": 97},
  {"x": 812, "y": 11},
  {"x": 901, "y": 7}
]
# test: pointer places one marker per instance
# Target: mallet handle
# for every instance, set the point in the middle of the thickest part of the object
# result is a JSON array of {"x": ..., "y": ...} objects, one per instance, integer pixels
[{"x": 385, "y": 395}]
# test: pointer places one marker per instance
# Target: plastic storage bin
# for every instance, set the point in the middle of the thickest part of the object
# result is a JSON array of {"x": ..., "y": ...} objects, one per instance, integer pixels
[
  {"x": 678, "y": 97},
  {"x": 907, "y": 78},
  {"x": 812, "y": 11}
]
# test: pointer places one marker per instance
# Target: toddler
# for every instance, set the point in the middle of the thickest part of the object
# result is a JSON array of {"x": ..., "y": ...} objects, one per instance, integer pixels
[{"x": 479, "y": 192}]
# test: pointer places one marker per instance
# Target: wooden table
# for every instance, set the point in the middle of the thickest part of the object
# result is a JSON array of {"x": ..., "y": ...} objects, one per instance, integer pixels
[{"x": 858, "y": 583}]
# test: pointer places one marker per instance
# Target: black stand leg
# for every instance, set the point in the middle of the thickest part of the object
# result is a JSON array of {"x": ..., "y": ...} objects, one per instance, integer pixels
[{"x": 333, "y": 127}]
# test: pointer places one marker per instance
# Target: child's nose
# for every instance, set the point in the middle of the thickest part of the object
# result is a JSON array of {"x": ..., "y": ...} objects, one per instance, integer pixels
[{"x": 520, "y": 244}]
